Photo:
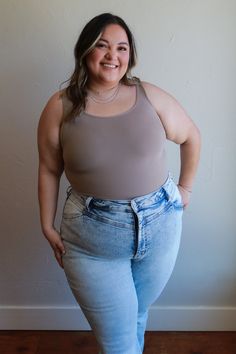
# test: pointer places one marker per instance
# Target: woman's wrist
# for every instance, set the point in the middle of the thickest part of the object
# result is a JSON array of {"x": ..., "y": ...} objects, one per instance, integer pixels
[
  {"x": 185, "y": 188},
  {"x": 48, "y": 229}
]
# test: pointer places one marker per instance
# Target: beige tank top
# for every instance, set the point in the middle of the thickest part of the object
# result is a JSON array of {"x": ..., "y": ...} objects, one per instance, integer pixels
[{"x": 116, "y": 157}]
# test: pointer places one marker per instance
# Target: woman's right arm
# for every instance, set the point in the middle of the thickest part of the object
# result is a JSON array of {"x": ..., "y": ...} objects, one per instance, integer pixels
[{"x": 50, "y": 171}]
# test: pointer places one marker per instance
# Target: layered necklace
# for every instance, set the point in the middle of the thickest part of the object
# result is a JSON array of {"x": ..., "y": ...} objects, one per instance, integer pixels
[{"x": 97, "y": 98}]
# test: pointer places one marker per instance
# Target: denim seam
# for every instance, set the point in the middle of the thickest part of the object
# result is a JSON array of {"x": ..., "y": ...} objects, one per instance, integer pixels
[
  {"x": 71, "y": 216},
  {"x": 106, "y": 221}
]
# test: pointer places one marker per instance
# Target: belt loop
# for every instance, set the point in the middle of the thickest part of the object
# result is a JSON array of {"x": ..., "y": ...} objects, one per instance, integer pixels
[{"x": 88, "y": 200}]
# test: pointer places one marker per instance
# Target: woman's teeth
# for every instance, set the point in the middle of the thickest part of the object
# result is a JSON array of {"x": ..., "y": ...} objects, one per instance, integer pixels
[{"x": 110, "y": 66}]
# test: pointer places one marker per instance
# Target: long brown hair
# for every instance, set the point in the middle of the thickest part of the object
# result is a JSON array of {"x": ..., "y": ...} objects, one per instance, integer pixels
[{"x": 76, "y": 90}]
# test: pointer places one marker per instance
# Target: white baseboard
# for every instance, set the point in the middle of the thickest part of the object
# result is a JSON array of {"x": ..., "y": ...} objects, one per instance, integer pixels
[{"x": 160, "y": 318}]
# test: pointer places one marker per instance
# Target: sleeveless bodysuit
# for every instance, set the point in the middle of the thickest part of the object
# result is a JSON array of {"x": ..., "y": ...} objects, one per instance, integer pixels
[{"x": 116, "y": 157}]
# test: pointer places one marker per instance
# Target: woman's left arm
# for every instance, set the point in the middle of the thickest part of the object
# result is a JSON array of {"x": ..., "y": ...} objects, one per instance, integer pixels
[{"x": 180, "y": 129}]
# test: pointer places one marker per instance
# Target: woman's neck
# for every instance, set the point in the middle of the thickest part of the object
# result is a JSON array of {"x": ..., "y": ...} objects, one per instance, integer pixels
[{"x": 98, "y": 88}]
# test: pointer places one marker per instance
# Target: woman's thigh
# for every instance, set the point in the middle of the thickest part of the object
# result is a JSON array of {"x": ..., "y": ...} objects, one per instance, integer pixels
[
  {"x": 152, "y": 272},
  {"x": 106, "y": 294}
]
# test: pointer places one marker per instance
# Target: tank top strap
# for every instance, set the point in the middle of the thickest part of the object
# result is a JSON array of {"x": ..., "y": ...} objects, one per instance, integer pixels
[
  {"x": 142, "y": 94},
  {"x": 67, "y": 105}
]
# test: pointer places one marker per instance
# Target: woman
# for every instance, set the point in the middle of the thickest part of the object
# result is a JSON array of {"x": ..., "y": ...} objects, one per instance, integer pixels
[{"x": 121, "y": 223}]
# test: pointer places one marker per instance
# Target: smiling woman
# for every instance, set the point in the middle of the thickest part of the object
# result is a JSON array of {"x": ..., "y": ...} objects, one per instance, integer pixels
[{"x": 122, "y": 218}]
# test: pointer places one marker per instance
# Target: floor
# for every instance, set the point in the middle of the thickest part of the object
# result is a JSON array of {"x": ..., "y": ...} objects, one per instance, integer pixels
[{"x": 83, "y": 342}]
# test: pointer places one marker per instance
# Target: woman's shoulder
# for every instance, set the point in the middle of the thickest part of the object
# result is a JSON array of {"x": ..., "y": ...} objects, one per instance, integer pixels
[
  {"x": 153, "y": 90},
  {"x": 60, "y": 103},
  {"x": 55, "y": 100},
  {"x": 159, "y": 98},
  {"x": 53, "y": 110}
]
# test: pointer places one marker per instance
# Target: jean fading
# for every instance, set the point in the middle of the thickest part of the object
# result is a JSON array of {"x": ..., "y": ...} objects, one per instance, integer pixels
[{"x": 119, "y": 257}]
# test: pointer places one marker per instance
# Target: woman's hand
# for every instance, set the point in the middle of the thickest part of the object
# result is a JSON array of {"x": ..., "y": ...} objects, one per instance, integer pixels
[
  {"x": 185, "y": 195},
  {"x": 56, "y": 243}
]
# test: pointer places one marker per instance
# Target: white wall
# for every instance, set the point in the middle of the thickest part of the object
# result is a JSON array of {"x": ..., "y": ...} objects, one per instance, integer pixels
[{"x": 188, "y": 48}]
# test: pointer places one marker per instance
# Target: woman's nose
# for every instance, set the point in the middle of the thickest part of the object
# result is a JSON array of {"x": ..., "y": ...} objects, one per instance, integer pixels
[{"x": 111, "y": 54}]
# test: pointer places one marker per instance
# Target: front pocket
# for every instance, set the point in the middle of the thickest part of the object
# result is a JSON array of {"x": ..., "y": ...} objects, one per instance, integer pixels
[
  {"x": 174, "y": 195},
  {"x": 102, "y": 212},
  {"x": 72, "y": 210},
  {"x": 106, "y": 220},
  {"x": 180, "y": 197}
]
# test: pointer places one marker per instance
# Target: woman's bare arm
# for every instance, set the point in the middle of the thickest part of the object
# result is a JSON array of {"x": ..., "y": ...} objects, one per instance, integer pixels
[
  {"x": 50, "y": 170},
  {"x": 180, "y": 129}
]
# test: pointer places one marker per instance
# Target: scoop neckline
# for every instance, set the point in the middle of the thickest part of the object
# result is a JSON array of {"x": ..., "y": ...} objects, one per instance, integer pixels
[{"x": 119, "y": 114}]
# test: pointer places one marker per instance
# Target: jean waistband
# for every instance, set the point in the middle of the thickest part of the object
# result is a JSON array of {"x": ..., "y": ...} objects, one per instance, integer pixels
[{"x": 144, "y": 200}]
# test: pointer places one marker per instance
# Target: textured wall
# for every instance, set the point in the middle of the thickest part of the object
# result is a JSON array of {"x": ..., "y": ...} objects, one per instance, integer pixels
[{"x": 186, "y": 47}]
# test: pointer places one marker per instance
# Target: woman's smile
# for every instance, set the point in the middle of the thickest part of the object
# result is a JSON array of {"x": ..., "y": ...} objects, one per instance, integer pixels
[{"x": 110, "y": 66}]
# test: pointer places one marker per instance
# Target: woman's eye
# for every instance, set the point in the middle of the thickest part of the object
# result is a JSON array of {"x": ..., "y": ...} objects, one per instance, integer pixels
[
  {"x": 101, "y": 45},
  {"x": 122, "y": 48}
]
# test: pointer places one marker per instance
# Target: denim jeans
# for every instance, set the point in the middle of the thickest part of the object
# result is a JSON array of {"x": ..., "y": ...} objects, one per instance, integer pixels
[{"x": 119, "y": 257}]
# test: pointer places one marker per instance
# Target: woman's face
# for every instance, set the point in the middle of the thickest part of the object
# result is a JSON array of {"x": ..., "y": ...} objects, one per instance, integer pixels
[{"x": 107, "y": 63}]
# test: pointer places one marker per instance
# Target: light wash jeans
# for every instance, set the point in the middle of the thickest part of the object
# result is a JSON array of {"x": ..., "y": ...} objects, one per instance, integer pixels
[{"x": 119, "y": 257}]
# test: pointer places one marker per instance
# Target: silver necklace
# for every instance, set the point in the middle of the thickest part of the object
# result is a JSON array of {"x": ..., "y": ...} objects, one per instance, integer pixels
[{"x": 111, "y": 98}]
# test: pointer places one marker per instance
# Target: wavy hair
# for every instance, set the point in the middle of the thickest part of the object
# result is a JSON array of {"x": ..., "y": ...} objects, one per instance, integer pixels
[{"x": 76, "y": 91}]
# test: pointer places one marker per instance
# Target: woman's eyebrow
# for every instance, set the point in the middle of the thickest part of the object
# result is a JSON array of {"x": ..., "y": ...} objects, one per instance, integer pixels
[
  {"x": 124, "y": 43},
  {"x": 120, "y": 43}
]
